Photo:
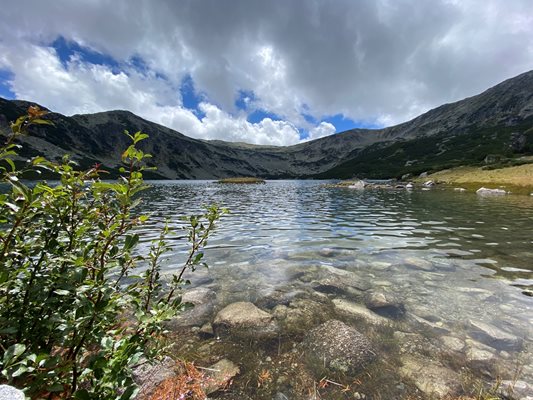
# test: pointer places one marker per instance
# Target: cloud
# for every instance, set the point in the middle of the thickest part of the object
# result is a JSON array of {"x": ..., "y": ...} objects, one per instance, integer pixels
[
  {"x": 80, "y": 87},
  {"x": 382, "y": 60}
]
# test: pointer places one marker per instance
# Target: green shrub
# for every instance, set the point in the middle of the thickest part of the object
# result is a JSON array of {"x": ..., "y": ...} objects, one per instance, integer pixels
[{"x": 74, "y": 319}]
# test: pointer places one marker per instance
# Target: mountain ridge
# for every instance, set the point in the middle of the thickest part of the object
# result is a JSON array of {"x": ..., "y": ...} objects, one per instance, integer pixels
[{"x": 491, "y": 116}]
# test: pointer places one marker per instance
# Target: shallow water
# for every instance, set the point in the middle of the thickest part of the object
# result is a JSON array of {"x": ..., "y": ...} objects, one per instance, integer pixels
[{"x": 452, "y": 258}]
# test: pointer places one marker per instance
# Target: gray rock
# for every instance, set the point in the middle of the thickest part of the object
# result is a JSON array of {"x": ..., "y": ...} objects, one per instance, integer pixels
[
  {"x": 418, "y": 263},
  {"x": 493, "y": 336},
  {"x": 385, "y": 304},
  {"x": 219, "y": 375},
  {"x": 10, "y": 393},
  {"x": 423, "y": 175},
  {"x": 350, "y": 309},
  {"x": 429, "y": 183},
  {"x": 347, "y": 284},
  {"x": 207, "y": 330},
  {"x": 244, "y": 319},
  {"x": 482, "y": 191},
  {"x": 452, "y": 343},
  {"x": 148, "y": 376},
  {"x": 202, "y": 301},
  {"x": 335, "y": 347},
  {"x": 430, "y": 377},
  {"x": 517, "y": 389},
  {"x": 302, "y": 314}
]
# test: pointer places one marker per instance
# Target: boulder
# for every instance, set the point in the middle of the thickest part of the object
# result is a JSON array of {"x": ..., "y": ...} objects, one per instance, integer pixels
[
  {"x": 423, "y": 175},
  {"x": 337, "y": 348},
  {"x": 483, "y": 191},
  {"x": 220, "y": 375},
  {"x": 244, "y": 319},
  {"x": 385, "y": 304},
  {"x": 10, "y": 393},
  {"x": 429, "y": 183},
  {"x": 409, "y": 186}
]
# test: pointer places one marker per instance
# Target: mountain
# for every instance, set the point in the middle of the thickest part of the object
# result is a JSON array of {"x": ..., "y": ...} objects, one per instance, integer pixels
[{"x": 497, "y": 121}]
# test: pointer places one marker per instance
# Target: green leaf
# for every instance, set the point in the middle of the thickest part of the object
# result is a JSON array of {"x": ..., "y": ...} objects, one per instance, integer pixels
[{"x": 14, "y": 352}]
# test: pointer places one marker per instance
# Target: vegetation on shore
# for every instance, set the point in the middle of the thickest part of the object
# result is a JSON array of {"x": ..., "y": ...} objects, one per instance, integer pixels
[
  {"x": 518, "y": 179},
  {"x": 242, "y": 180},
  {"x": 76, "y": 315}
]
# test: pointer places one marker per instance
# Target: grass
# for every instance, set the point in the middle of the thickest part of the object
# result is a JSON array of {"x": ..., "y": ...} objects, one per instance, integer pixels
[
  {"x": 518, "y": 179},
  {"x": 242, "y": 180}
]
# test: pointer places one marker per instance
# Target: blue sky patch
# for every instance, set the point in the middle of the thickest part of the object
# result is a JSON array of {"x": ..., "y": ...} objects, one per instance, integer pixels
[
  {"x": 259, "y": 115},
  {"x": 66, "y": 49},
  {"x": 344, "y": 124},
  {"x": 5, "y": 88},
  {"x": 190, "y": 98},
  {"x": 244, "y": 98}
]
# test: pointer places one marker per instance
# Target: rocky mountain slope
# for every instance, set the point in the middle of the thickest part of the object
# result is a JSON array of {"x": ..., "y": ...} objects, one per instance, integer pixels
[{"x": 497, "y": 121}]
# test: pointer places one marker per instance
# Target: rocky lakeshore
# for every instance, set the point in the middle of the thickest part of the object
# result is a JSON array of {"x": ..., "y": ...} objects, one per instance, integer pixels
[{"x": 344, "y": 333}]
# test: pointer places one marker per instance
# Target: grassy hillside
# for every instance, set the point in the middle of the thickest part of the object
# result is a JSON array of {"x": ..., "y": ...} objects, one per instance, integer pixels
[{"x": 433, "y": 153}]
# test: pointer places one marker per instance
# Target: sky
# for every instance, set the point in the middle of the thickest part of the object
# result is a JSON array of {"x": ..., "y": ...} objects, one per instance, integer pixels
[{"x": 273, "y": 72}]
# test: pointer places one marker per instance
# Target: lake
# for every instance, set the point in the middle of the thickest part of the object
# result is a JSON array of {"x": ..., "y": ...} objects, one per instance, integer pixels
[{"x": 458, "y": 266}]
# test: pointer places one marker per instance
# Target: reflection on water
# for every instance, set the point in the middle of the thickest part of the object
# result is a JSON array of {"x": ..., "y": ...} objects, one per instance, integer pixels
[{"x": 452, "y": 257}]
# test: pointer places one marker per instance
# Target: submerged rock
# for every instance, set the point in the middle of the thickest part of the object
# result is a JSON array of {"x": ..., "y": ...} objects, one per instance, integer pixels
[
  {"x": 202, "y": 301},
  {"x": 302, "y": 314},
  {"x": 244, "y": 319},
  {"x": 335, "y": 347},
  {"x": 385, "y": 304},
  {"x": 219, "y": 375},
  {"x": 350, "y": 309},
  {"x": 431, "y": 378},
  {"x": 343, "y": 283},
  {"x": 493, "y": 336},
  {"x": 517, "y": 389}
]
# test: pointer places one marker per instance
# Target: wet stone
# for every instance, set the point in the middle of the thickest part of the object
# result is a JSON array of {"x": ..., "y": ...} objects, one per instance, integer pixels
[
  {"x": 202, "y": 301},
  {"x": 302, "y": 314},
  {"x": 244, "y": 319},
  {"x": 337, "y": 348},
  {"x": 430, "y": 377},
  {"x": 452, "y": 343},
  {"x": 350, "y": 309},
  {"x": 385, "y": 304},
  {"x": 493, "y": 336},
  {"x": 418, "y": 263},
  {"x": 220, "y": 375}
]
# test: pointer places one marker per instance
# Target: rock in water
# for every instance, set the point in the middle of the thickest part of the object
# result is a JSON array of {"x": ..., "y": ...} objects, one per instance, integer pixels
[
  {"x": 244, "y": 319},
  {"x": 10, "y": 393},
  {"x": 335, "y": 347},
  {"x": 494, "y": 337},
  {"x": 431, "y": 378},
  {"x": 385, "y": 304},
  {"x": 202, "y": 300},
  {"x": 482, "y": 191},
  {"x": 220, "y": 375}
]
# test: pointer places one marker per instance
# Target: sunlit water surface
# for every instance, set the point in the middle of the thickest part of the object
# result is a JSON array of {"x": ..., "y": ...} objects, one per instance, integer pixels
[{"x": 451, "y": 257}]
